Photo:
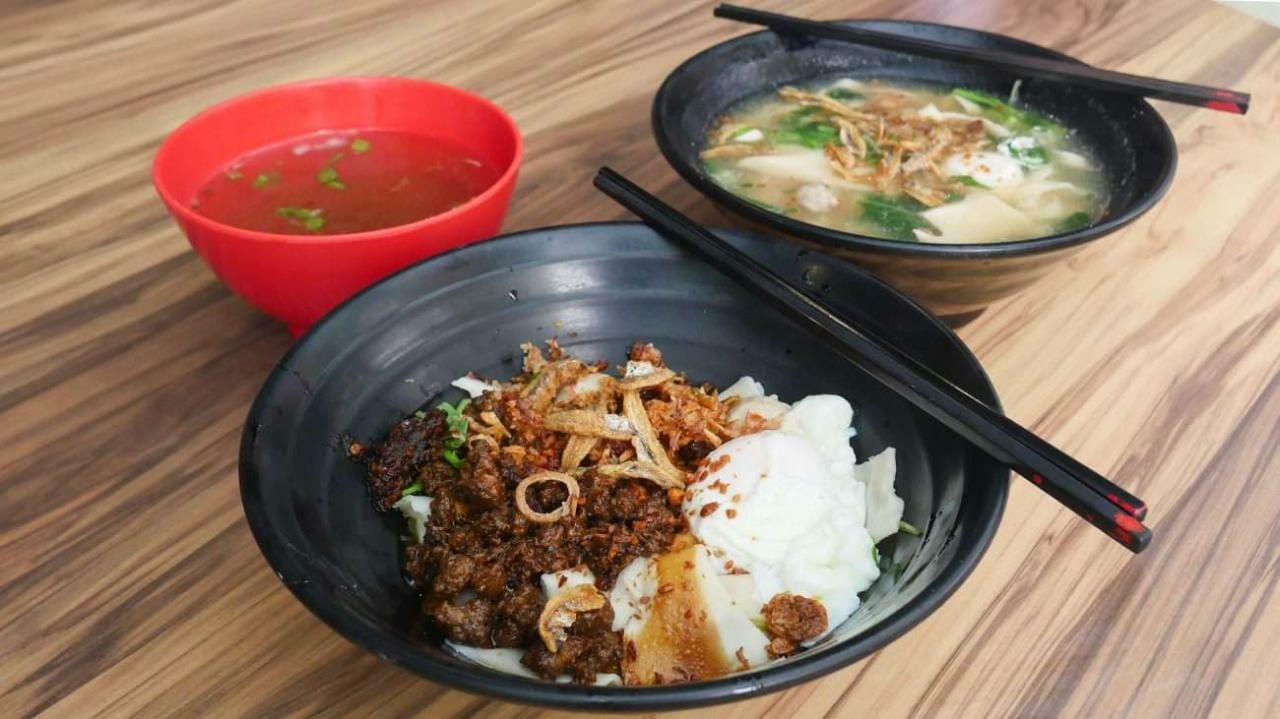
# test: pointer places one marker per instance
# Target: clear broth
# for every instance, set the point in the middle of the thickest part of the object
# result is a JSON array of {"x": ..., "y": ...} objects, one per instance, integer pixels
[
  {"x": 343, "y": 182},
  {"x": 788, "y": 152}
]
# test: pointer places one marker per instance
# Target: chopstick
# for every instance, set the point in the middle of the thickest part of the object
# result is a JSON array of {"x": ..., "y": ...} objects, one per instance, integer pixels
[
  {"x": 1047, "y": 68},
  {"x": 1047, "y": 467}
]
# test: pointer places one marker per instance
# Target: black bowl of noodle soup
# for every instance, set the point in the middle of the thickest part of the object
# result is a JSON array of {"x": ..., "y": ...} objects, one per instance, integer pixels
[{"x": 958, "y": 184}]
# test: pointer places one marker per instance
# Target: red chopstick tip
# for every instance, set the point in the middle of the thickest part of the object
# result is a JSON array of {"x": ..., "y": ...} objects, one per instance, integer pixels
[
  {"x": 1139, "y": 511},
  {"x": 1037, "y": 480},
  {"x": 1231, "y": 107},
  {"x": 1127, "y": 523},
  {"x": 1130, "y": 532}
]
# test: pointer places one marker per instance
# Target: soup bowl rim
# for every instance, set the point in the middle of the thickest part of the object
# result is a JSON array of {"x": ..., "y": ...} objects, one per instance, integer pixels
[{"x": 191, "y": 126}]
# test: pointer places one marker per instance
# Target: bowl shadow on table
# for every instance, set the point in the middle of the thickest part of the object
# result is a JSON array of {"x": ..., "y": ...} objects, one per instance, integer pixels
[{"x": 958, "y": 294}]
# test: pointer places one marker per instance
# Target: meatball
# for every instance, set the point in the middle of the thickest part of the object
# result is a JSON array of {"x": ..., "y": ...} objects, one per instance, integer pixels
[{"x": 792, "y": 619}]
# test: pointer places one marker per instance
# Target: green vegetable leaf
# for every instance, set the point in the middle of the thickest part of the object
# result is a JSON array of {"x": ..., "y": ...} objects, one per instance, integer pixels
[
  {"x": 800, "y": 127},
  {"x": 1031, "y": 157},
  {"x": 415, "y": 488},
  {"x": 981, "y": 99},
  {"x": 314, "y": 224},
  {"x": 844, "y": 93},
  {"x": 896, "y": 216},
  {"x": 1037, "y": 155},
  {"x": 813, "y": 135},
  {"x": 265, "y": 178},
  {"x": 967, "y": 180},
  {"x": 953, "y": 197},
  {"x": 360, "y": 145},
  {"x": 908, "y": 528},
  {"x": 1072, "y": 222},
  {"x": 1002, "y": 112}
]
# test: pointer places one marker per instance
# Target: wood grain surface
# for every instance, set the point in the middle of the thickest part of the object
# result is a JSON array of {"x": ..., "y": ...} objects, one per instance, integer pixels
[{"x": 130, "y": 585}]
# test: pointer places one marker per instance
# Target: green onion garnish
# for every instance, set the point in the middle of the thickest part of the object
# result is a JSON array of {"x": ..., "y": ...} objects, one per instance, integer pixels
[
  {"x": 457, "y": 423},
  {"x": 304, "y": 216},
  {"x": 328, "y": 177}
]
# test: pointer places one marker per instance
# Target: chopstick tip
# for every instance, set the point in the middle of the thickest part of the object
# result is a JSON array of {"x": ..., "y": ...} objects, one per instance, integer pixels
[{"x": 1130, "y": 532}]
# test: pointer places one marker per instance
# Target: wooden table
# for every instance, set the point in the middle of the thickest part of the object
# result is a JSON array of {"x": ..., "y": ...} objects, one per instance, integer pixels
[{"x": 129, "y": 583}]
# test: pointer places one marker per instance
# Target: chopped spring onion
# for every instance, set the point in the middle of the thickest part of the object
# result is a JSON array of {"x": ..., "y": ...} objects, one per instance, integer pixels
[
  {"x": 307, "y": 217},
  {"x": 457, "y": 423},
  {"x": 328, "y": 176}
]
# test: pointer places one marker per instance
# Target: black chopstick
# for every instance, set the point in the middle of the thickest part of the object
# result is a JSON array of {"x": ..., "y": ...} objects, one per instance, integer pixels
[
  {"x": 919, "y": 385},
  {"x": 1047, "y": 68}
]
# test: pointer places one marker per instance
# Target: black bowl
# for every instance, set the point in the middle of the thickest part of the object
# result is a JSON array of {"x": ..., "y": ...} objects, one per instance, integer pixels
[
  {"x": 956, "y": 281},
  {"x": 397, "y": 345}
]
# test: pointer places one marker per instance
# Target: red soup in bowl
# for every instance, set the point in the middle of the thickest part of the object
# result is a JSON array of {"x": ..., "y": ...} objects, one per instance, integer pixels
[{"x": 300, "y": 195}]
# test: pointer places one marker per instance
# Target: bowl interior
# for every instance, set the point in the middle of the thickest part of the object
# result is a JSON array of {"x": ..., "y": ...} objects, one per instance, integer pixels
[
  {"x": 206, "y": 143},
  {"x": 1125, "y": 134},
  {"x": 396, "y": 347}
]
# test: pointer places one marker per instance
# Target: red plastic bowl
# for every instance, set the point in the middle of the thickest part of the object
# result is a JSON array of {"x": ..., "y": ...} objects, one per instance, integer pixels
[{"x": 298, "y": 278}]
